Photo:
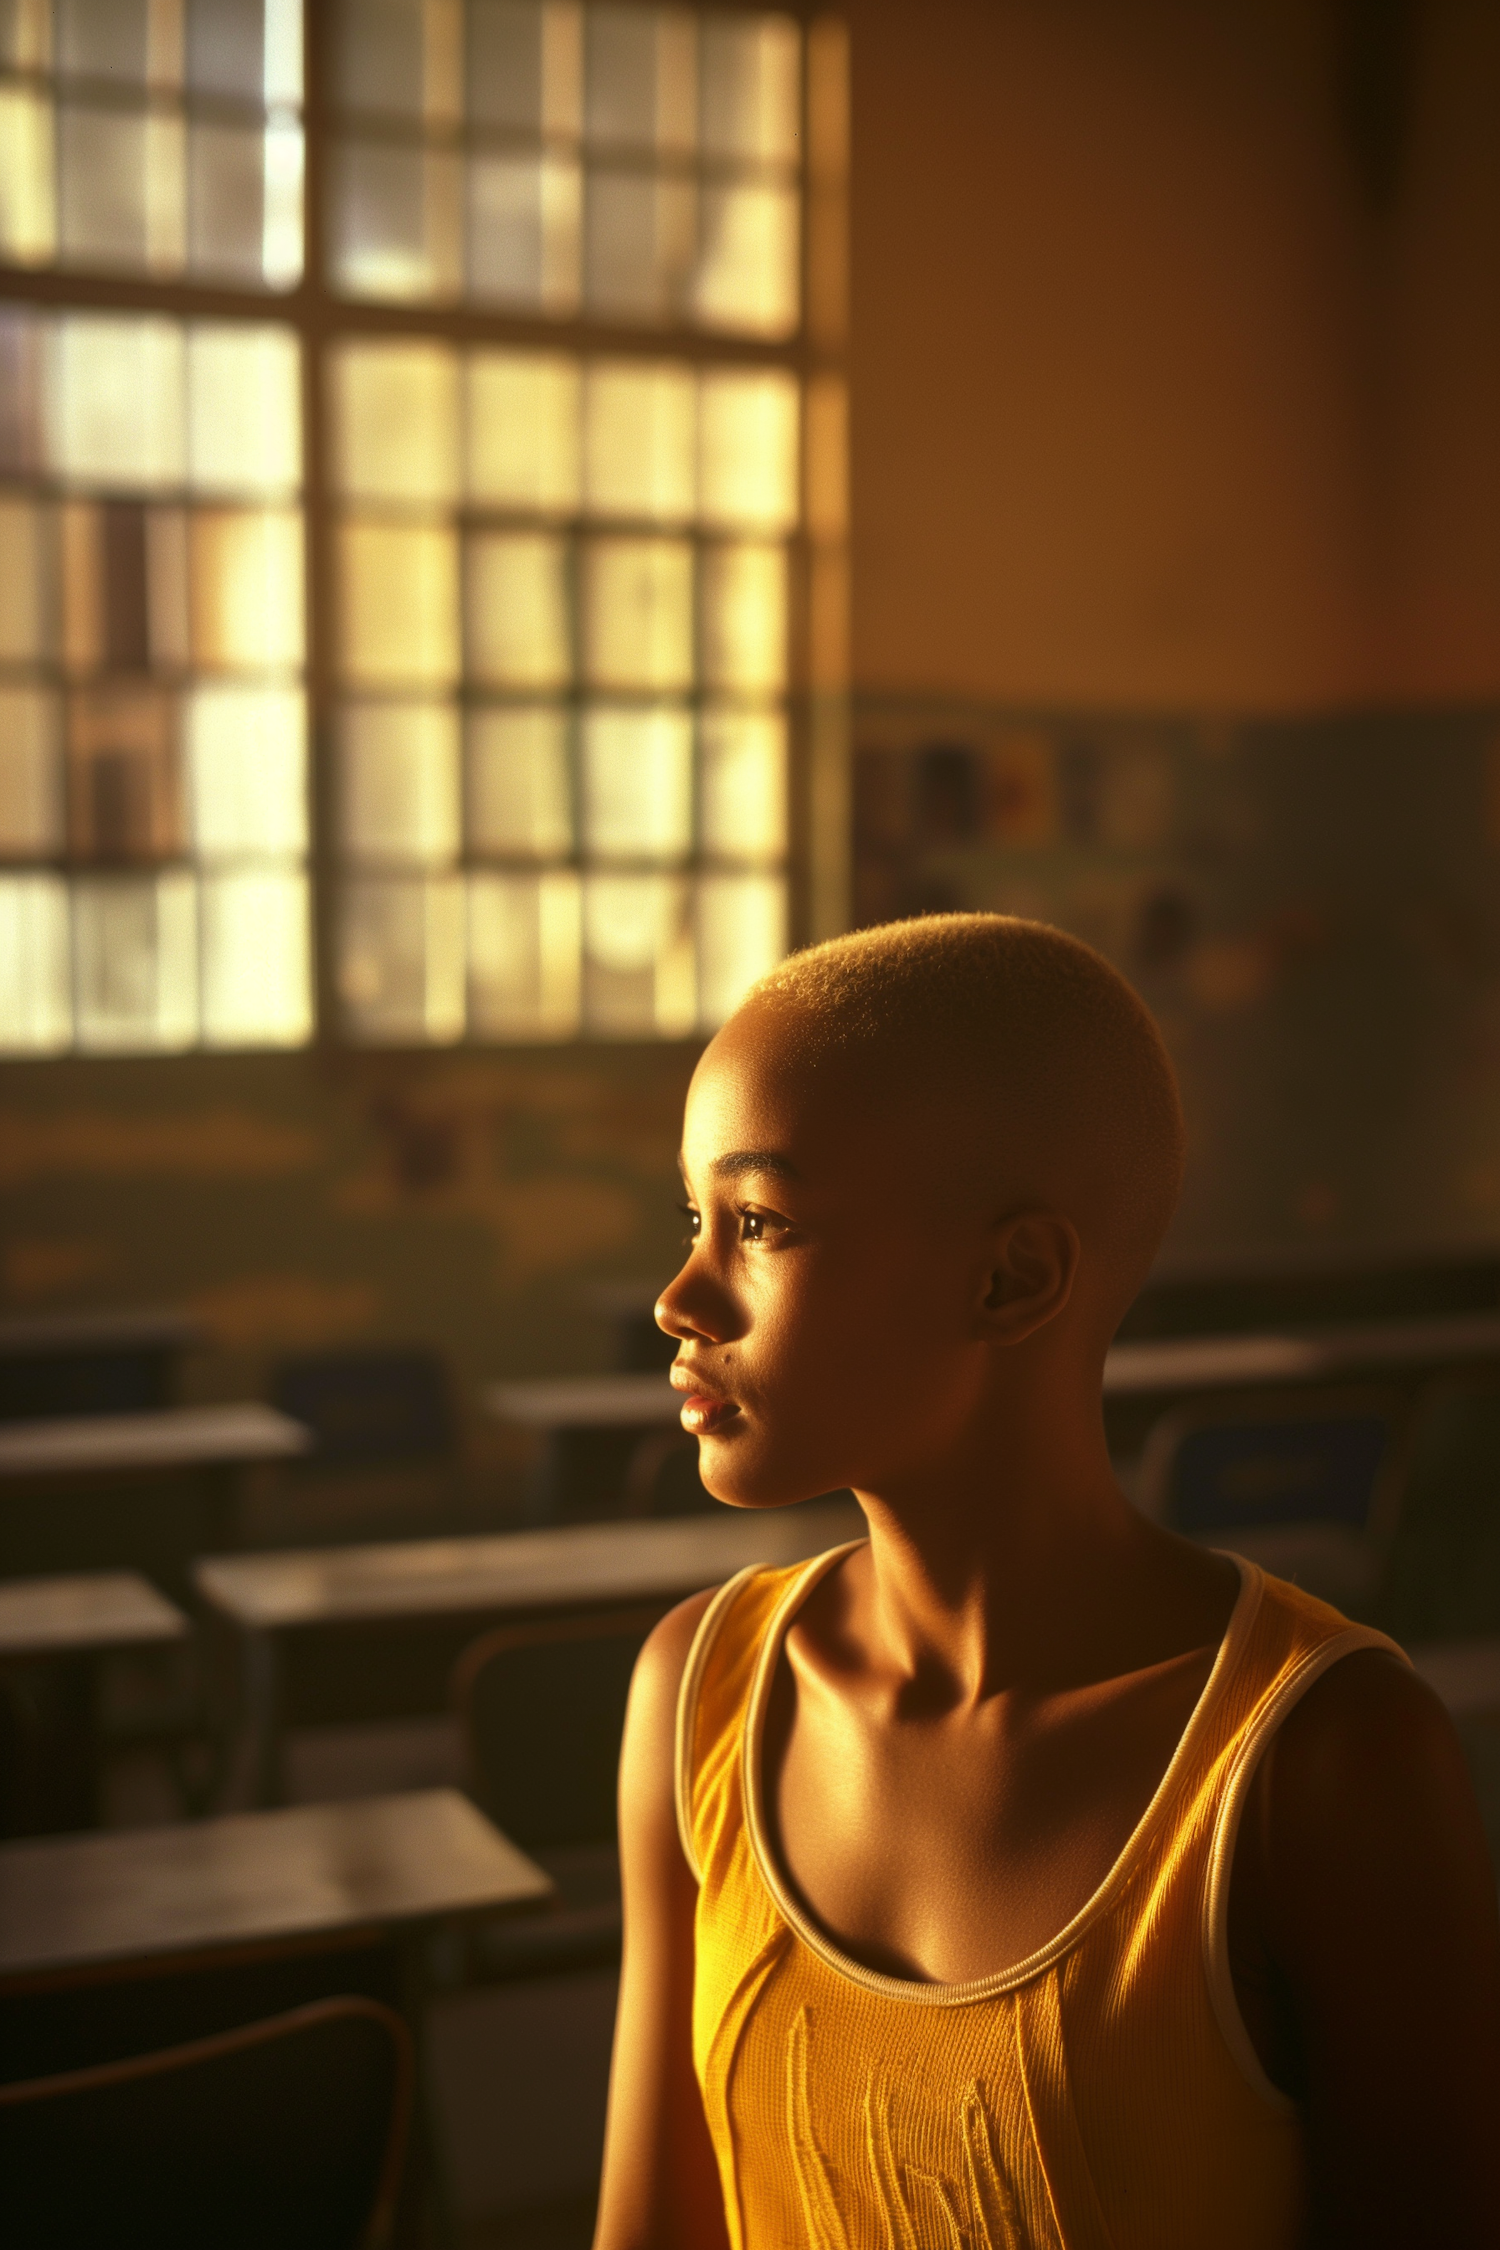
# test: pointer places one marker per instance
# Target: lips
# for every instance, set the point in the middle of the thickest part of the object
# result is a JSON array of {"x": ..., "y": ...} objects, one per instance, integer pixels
[{"x": 703, "y": 1412}]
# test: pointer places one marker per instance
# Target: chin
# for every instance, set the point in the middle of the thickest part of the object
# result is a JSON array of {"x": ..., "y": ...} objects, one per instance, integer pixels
[{"x": 741, "y": 1482}]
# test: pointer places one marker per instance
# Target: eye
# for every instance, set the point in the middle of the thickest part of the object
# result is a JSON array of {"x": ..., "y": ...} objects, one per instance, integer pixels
[
  {"x": 695, "y": 1224},
  {"x": 752, "y": 1227}
]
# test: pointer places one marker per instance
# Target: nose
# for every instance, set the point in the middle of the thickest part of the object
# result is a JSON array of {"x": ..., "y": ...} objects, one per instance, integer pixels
[{"x": 691, "y": 1310}]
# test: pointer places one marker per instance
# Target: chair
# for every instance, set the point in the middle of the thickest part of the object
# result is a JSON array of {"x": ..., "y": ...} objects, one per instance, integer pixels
[
  {"x": 541, "y": 1708},
  {"x": 382, "y": 1463},
  {"x": 1305, "y": 1484},
  {"x": 289, "y": 2132},
  {"x": 1442, "y": 1579}
]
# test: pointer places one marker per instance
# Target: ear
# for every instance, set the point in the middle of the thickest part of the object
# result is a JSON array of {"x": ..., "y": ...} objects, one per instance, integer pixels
[{"x": 1032, "y": 1265}]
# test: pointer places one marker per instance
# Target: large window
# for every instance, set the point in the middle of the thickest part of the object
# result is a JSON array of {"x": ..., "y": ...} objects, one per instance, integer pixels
[{"x": 409, "y": 516}]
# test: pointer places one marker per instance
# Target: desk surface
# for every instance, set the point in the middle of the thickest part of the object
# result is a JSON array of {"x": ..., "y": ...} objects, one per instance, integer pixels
[
  {"x": 575, "y": 1566},
  {"x": 177, "y": 1437},
  {"x": 93, "y": 1611},
  {"x": 142, "y": 1896},
  {"x": 127, "y": 1328}
]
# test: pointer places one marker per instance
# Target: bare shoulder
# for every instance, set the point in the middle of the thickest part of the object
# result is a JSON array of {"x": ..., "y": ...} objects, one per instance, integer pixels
[
  {"x": 647, "y": 1765},
  {"x": 1369, "y": 1737}
]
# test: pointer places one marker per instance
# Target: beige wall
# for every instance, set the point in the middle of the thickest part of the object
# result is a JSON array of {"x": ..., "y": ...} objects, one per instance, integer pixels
[{"x": 1149, "y": 410}]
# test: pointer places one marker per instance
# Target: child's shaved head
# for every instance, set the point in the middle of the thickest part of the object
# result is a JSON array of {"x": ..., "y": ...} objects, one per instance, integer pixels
[{"x": 1053, "y": 1077}]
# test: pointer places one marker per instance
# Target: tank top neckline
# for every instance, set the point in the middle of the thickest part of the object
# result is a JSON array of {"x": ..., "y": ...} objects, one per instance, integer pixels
[{"x": 935, "y": 1993}]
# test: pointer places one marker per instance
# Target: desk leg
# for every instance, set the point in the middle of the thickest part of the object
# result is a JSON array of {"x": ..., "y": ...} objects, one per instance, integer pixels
[
  {"x": 252, "y": 1774},
  {"x": 425, "y": 2213}
]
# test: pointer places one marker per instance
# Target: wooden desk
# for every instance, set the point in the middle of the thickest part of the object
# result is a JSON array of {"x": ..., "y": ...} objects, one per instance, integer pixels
[
  {"x": 467, "y": 1584},
  {"x": 53, "y": 1633},
  {"x": 121, "y": 1361},
  {"x": 147, "y": 1491}
]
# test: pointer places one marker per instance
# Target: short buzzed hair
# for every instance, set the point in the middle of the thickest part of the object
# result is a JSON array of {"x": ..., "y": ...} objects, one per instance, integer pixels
[{"x": 1055, "y": 1046}]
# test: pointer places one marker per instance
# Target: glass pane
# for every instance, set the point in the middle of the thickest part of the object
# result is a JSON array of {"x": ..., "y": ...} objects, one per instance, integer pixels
[
  {"x": 247, "y": 770},
  {"x": 504, "y": 82},
  {"x": 226, "y": 201},
  {"x": 115, "y": 400},
  {"x": 22, "y": 342},
  {"x": 124, "y": 585},
  {"x": 31, "y": 792},
  {"x": 24, "y": 578},
  {"x": 135, "y": 958},
  {"x": 105, "y": 39},
  {"x": 244, "y": 408},
  {"x": 401, "y": 957},
  {"x": 27, "y": 218},
  {"x": 742, "y": 784},
  {"x": 750, "y": 88},
  {"x": 638, "y": 244},
  {"x": 639, "y": 430},
  {"x": 25, "y": 34},
  {"x": 747, "y": 263},
  {"x": 246, "y": 588},
  {"x": 744, "y": 617},
  {"x": 741, "y": 935},
  {"x": 638, "y": 613},
  {"x": 395, "y": 421},
  {"x": 523, "y": 430},
  {"x": 639, "y": 970},
  {"x": 523, "y": 956},
  {"x": 168, "y": 619},
  {"x": 518, "y": 609},
  {"x": 640, "y": 90},
  {"x": 505, "y": 261},
  {"x": 747, "y": 449},
  {"x": 124, "y": 800},
  {"x": 519, "y": 797},
  {"x": 403, "y": 57},
  {"x": 398, "y": 603},
  {"x": 397, "y": 228},
  {"x": 257, "y": 985},
  {"x": 398, "y": 781},
  {"x": 36, "y": 1009},
  {"x": 226, "y": 48},
  {"x": 281, "y": 221},
  {"x": 637, "y": 782},
  {"x": 120, "y": 179}
]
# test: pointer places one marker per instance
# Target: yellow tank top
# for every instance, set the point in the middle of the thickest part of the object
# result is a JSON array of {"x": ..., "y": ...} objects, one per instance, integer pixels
[{"x": 1101, "y": 2095}]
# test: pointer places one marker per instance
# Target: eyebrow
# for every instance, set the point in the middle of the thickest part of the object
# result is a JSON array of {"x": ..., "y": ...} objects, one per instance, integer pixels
[{"x": 741, "y": 1161}]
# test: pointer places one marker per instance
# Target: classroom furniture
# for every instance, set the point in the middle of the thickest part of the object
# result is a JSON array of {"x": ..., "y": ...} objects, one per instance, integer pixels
[
  {"x": 1305, "y": 1483},
  {"x": 364, "y": 1407},
  {"x": 289, "y": 2132},
  {"x": 54, "y": 1632},
  {"x": 390, "y": 1620},
  {"x": 137, "y": 1491},
  {"x": 54, "y": 1365},
  {"x": 1443, "y": 1579},
  {"x": 552, "y": 1786},
  {"x": 1255, "y": 1296},
  {"x": 603, "y": 1442}
]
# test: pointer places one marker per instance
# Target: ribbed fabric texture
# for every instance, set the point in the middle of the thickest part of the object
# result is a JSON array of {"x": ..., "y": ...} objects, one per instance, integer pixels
[{"x": 1100, "y": 2096}]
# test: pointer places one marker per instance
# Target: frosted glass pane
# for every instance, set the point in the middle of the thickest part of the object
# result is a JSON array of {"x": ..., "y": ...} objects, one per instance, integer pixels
[
  {"x": 751, "y": 88},
  {"x": 124, "y": 793},
  {"x": 226, "y": 47},
  {"x": 257, "y": 983},
  {"x": 226, "y": 201},
  {"x": 26, "y": 34},
  {"x": 640, "y": 426},
  {"x": 639, "y": 970},
  {"x": 741, "y": 935},
  {"x": 246, "y": 588},
  {"x": 524, "y": 956},
  {"x": 519, "y": 795},
  {"x": 640, "y": 73},
  {"x": 742, "y": 784},
  {"x": 399, "y": 781},
  {"x": 401, "y": 957},
  {"x": 402, "y": 57},
  {"x": 124, "y": 585},
  {"x": 637, "y": 782},
  {"x": 638, "y": 244},
  {"x": 135, "y": 962},
  {"x": 247, "y": 770},
  {"x": 397, "y": 221},
  {"x": 744, "y": 617},
  {"x": 105, "y": 39},
  {"x": 31, "y": 790},
  {"x": 748, "y": 449},
  {"x": 504, "y": 79},
  {"x": 396, "y": 421},
  {"x": 518, "y": 609},
  {"x": 168, "y": 622},
  {"x": 24, "y": 579},
  {"x": 115, "y": 400},
  {"x": 638, "y": 613},
  {"x": 22, "y": 358},
  {"x": 281, "y": 216},
  {"x": 244, "y": 408},
  {"x": 398, "y": 603},
  {"x": 120, "y": 185},
  {"x": 523, "y": 430},
  {"x": 747, "y": 264},
  {"x": 27, "y": 215},
  {"x": 36, "y": 1010},
  {"x": 506, "y": 223}
]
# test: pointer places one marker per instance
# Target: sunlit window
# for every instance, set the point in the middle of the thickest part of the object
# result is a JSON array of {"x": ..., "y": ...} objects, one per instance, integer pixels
[{"x": 403, "y": 627}]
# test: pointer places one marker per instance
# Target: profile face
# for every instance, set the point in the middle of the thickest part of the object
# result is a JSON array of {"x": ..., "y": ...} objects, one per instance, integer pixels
[{"x": 826, "y": 1310}]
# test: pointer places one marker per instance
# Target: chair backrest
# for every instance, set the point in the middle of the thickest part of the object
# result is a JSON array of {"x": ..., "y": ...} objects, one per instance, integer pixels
[
  {"x": 290, "y": 2132},
  {"x": 1305, "y": 1484},
  {"x": 1443, "y": 1572},
  {"x": 542, "y": 1708},
  {"x": 366, "y": 1407}
]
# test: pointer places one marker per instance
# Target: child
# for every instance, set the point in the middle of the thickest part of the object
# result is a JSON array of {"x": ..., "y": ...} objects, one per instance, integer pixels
[{"x": 1022, "y": 1876}]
